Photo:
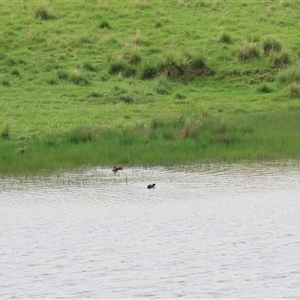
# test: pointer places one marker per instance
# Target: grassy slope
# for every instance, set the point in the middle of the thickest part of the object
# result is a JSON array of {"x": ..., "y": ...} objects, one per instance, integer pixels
[{"x": 54, "y": 73}]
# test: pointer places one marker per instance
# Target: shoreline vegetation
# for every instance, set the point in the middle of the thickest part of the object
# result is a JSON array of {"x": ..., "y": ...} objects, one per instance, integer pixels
[{"x": 101, "y": 83}]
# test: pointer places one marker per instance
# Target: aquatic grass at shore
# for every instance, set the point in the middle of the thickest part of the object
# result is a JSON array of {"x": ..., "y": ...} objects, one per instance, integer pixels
[{"x": 176, "y": 141}]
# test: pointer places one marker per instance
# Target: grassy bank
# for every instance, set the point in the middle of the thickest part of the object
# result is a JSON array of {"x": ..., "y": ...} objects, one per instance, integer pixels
[
  {"x": 147, "y": 82},
  {"x": 256, "y": 136}
]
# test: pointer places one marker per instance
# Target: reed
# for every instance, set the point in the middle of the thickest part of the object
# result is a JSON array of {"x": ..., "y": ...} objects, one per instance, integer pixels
[{"x": 228, "y": 138}]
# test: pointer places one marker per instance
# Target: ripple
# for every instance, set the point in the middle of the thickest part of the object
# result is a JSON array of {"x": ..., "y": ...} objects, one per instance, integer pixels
[{"x": 205, "y": 231}]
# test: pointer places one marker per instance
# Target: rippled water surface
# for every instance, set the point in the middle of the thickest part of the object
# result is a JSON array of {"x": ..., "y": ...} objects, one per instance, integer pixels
[{"x": 229, "y": 231}]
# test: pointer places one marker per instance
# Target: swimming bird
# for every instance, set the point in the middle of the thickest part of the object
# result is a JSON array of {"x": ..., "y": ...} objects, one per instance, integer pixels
[
  {"x": 21, "y": 150},
  {"x": 116, "y": 169},
  {"x": 151, "y": 186}
]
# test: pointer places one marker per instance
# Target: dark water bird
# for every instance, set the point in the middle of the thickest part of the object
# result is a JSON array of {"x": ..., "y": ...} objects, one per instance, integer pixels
[
  {"x": 151, "y": 186},
  {"x": 21, "y": 150},
  {"x": 116, "y": 169}
]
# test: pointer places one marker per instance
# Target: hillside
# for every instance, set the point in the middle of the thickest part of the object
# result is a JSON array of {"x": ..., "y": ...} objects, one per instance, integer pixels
[{"x": 124, "y": 64}]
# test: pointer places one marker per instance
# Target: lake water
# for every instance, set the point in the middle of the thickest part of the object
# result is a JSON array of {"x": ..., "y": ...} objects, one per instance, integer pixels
[{"x": 205, "y": 231}]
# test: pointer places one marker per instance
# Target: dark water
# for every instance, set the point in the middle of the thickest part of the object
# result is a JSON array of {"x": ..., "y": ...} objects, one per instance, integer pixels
[{"x": 229, "y": 231}]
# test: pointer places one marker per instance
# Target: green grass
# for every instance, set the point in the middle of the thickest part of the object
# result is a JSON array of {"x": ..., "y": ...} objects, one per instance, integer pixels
[{"x": 74, "y": 70}]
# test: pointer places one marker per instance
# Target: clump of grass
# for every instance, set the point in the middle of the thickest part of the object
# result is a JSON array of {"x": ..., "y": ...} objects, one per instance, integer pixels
[
  {"x": 132, "y": 56},
  {"x": 149, "y": 71},
  {"x": 180, "y": 96},
  {"x": 223, "y": 138},
  {"x": 163, "y": 87},
  {"x": 49, "y": 141},
  {"x": 120, "y": 67},
  {"x": 5, "y": 133},
  {"x": 5, "y": 82},
  {"x": 95, "y": 94},
  {"x": 116, "y": 67},
  {"x": 10, "y": 61},
  {"x": 86, "y": 40},
  {"x": 158, "y": 24},
  {"x": 179, "y": 122},
  {"x": 221, "y": 127},
  {"x": 89, "y": 67},
  {"x": 254, "y": 38},
  {"x": 290, "y": 75},
  {"x": 198, "y": 64},
  {"x": 249, "y": 51},
  {"x": 280, "y": 59},
  {"x": 78, "y": 78},
  {"x": 2, "y": 54},
  {"x": 270, "y": 45},
  {"x": 141, "y": 4},
  {"x": 129, "y": 56},
  {"x": 102, "y": 5},
  {"x": 225, "y": 38},
  {"x": 204, "y": 131},
  {"x": 15, "y": 72},
  {"x": 63, "y": 75},
  {"x": 189, "y": 131},
  {"x": 135, "y": 58},
  {"x": 264, "y": 88},
  {"x": 161, "y": 129},
  {"x": 52, "y": 81},
  {"x": 31, "y": 35},
  {"x": 104, "y": 24},
  {"x": 80, "y": 135},
  {"x": 129, "y": 71},
  {"x": 127, "y": 98},
  {"x": 174, "y": 64},
  {"x": 43, "y": 12},
  {"x": 295, "y": 90}
]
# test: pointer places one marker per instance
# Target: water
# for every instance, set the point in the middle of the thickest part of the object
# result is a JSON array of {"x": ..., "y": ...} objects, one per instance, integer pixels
[{"x": 222, "y": 231}]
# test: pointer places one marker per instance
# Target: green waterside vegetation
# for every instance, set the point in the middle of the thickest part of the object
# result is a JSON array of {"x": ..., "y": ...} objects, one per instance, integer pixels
[{"x": 142, "y": 82}]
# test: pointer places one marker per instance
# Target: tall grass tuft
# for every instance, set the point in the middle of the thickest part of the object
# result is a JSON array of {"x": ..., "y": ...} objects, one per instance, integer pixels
[
  {"x": 116, "y": 67},
  {"x": 104, "y": 24},
  {"x": 52, "y": 81},
  {"x": 264, "y": 88},
  {"x": 141, "y": 4},
  {"x": 127, "y": 98},
  {"x": 270, "y": 45},
  {"x": 120, "y": 67},
  {"x": 43, "y": 12},
  {"x": 280, "y": 59},
  {"x": 249, "y": 51},
  {"x": 15, "y": 72},
  {"x": 5, "y": 133},
  {"x": 163, "y": 86},
  {"x": 290, "y": 75},
  {"x": 132, "y": 56},
  {"x": 198, "y": 63},
  {"x": 135, "y": 58},
  {"x": 295, "y": 90},
  {"x": 225, "y": 38},
  {"x": 63, "y": 75},
  {"x": 174, "y": 64},
  {"x": 190, "y": 131},
  {"x": 80, "y": 135},
  {"x": 78, "y": 78},
  {"x": 5, "y": 82},
  {"x": 149, "y": 70},
  {"x": 89, "y": 67}
]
